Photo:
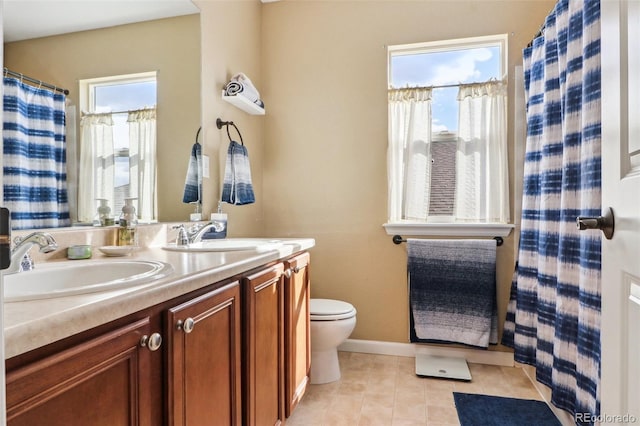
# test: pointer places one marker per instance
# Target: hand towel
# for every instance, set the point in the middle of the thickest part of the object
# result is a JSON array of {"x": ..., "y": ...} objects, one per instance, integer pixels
[
  {"x": 241, "y": 85},
  {"x": 237, "y": 188},
  {"x": 193, "y": 181},
  {"x": 452, "y": 291}
]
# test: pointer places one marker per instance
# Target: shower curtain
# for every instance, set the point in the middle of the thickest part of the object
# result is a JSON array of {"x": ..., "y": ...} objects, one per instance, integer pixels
[
  {"x": 34, "y": 162},
  {"x": 553, "y": 318}
]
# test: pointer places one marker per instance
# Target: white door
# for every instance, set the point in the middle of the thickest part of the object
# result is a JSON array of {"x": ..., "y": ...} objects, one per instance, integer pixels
[{"x": 620, "y": 334}]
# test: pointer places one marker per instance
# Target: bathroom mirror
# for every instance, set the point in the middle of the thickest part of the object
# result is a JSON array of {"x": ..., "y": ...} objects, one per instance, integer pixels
[{"x": 168, "y": 46}]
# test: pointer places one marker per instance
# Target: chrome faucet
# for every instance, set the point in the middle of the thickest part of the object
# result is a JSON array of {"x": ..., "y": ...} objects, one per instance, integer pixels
[
  {"x": 196, "y": 232},
  {"x": 45, "y": 241}
]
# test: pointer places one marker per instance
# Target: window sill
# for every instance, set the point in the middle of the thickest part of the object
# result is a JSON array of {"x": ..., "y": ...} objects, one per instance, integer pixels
[{"x": 449, "y": 229}]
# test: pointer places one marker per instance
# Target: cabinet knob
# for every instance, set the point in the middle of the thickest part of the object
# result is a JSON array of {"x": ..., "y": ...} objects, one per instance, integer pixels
[
  {"x": 186, "y": 325},
  {"x": 287, "y": 273},
  {"x": 296, "y": 269},
  {"x": 152, "y": 342}
]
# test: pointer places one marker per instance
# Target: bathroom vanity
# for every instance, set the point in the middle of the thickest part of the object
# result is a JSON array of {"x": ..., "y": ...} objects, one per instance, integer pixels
[{"x": 222, "y": 340}]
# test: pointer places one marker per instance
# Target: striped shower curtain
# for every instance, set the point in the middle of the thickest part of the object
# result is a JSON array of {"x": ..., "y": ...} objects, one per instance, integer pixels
[
  {"x": 34, "y": 162},
  {"x": 553, "y": 318}
]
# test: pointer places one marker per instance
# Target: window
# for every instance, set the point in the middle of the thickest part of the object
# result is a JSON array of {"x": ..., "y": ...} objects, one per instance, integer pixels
[
  {"x": 118, "y": 144},
  {"x": 447, "y": 158}
]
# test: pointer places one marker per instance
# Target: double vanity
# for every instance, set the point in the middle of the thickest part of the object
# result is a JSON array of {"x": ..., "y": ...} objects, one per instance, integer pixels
[{"x": 167, "y": 335}]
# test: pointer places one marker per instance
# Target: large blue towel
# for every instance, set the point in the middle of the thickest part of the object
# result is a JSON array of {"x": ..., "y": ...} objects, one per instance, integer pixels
[
  {"x": 237, "y": 188},
  {"x": 452, "y": 291}
]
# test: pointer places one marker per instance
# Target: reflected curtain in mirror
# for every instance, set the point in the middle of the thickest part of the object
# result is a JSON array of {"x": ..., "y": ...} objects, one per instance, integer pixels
[
  {"x": 97, "y": 167},
  {"x": 35, "y": 179},
  {"x": 99, "y": 171},
  {"x": 142, "y": 161}
]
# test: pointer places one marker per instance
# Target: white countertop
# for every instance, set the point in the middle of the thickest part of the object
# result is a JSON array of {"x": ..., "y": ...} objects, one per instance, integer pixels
[{"x": 32, "y": 324}]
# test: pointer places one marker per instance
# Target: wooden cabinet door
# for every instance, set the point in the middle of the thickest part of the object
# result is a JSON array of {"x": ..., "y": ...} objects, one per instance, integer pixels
[
  {"x": 297, "y": 343},
  {"x": 204, "y": 377},
  {"x": 263, "y": 372},
  {"x": 104, "y": 381}
]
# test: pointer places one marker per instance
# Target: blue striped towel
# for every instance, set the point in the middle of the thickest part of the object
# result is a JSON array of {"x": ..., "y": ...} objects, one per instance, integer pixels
[
  {"x": 237, "y": 188},
  {"x": 452, "y": 291},
  {"x": 193, "y": 181}
]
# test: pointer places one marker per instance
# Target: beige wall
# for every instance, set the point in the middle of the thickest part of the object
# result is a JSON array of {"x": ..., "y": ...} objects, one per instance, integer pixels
[
  {"x": 169, "y": 46},
  {"x": 325, "y": 83},
  {"x": 318, "y": 157},
  {"x": 231, "y": 44}
]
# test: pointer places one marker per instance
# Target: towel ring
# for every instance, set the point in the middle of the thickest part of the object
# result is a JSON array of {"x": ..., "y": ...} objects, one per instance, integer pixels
[
  {"x": 220, "y": 123},
  {"x": 198, "y": 133}
]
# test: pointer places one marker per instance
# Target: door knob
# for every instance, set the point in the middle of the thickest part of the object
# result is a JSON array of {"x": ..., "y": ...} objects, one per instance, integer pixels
[{"x": 604, "y": 223}]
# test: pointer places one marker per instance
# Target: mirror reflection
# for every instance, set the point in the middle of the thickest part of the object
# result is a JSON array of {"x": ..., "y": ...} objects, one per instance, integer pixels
[
  {"x": 167, "y": 48},
  {"x": 118, "y": 140}
]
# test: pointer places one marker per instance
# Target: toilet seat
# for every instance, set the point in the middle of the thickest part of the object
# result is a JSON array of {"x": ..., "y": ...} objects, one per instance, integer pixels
[{"x": 330, "y": 310}]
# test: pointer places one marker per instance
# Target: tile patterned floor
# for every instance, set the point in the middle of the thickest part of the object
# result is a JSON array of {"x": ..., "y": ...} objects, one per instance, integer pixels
[{"x": 384, "y": 390}]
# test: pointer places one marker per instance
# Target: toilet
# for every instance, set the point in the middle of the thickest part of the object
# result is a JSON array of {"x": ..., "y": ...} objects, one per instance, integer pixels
[{"x": 332, "y": 322}]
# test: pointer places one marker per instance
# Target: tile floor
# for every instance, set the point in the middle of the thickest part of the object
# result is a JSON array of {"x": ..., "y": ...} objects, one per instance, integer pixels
[{"x": 384, "y": 390}]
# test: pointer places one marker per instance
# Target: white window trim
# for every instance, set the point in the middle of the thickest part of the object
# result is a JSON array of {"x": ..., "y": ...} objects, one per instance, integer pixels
[
  {"x": 86, "y": 94},
  {"x": 87, "y": 104},
  {"x": 446, "y": 45},
  {"x": 450, "y": 229}
]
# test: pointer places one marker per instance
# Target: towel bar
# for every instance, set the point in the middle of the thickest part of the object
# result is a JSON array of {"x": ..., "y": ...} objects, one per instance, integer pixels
[{"x": 397, "y": 239}]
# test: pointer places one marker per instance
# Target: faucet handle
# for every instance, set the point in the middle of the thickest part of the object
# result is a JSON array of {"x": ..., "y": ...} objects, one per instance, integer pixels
[
  {"x": 182, "y": 239},
  {"x": 27, "y": 263}
]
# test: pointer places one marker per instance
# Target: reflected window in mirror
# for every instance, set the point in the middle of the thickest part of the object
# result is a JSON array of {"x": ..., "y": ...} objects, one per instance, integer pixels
[{"x": 118, "y": 145}]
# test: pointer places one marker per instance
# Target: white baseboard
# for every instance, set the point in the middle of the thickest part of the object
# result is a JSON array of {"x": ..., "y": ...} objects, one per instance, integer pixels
[{"x": 477, "y": 356}]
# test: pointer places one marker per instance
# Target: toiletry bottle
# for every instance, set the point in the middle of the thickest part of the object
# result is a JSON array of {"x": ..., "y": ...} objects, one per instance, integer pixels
[
  {"x": 127, "y": 229},
  {"x": 103, "y": 217},
  {"x": 221, "y": 220},
  {"x": 196, "y": 216}
]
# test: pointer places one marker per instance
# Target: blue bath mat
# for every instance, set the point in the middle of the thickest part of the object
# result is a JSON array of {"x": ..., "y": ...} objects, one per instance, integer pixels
[{"x": 486, "y": 410}]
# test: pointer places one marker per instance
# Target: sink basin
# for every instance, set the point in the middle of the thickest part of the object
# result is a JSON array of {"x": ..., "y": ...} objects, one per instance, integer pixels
[
  {"x": 57, "y": 280},
  {"x": 229, "y": 244}
]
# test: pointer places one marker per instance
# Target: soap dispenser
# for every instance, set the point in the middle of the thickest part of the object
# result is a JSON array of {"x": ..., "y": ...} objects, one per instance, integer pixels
[
  {"x": 196, "y": 216},
  {"x": 103, "y": 217},
  {"x": 127, "y": 229},
  {"x": 220, "y": 220}
]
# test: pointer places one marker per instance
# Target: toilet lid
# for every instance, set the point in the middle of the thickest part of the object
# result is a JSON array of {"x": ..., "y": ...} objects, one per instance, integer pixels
[{"x": 329, "y": 309}]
